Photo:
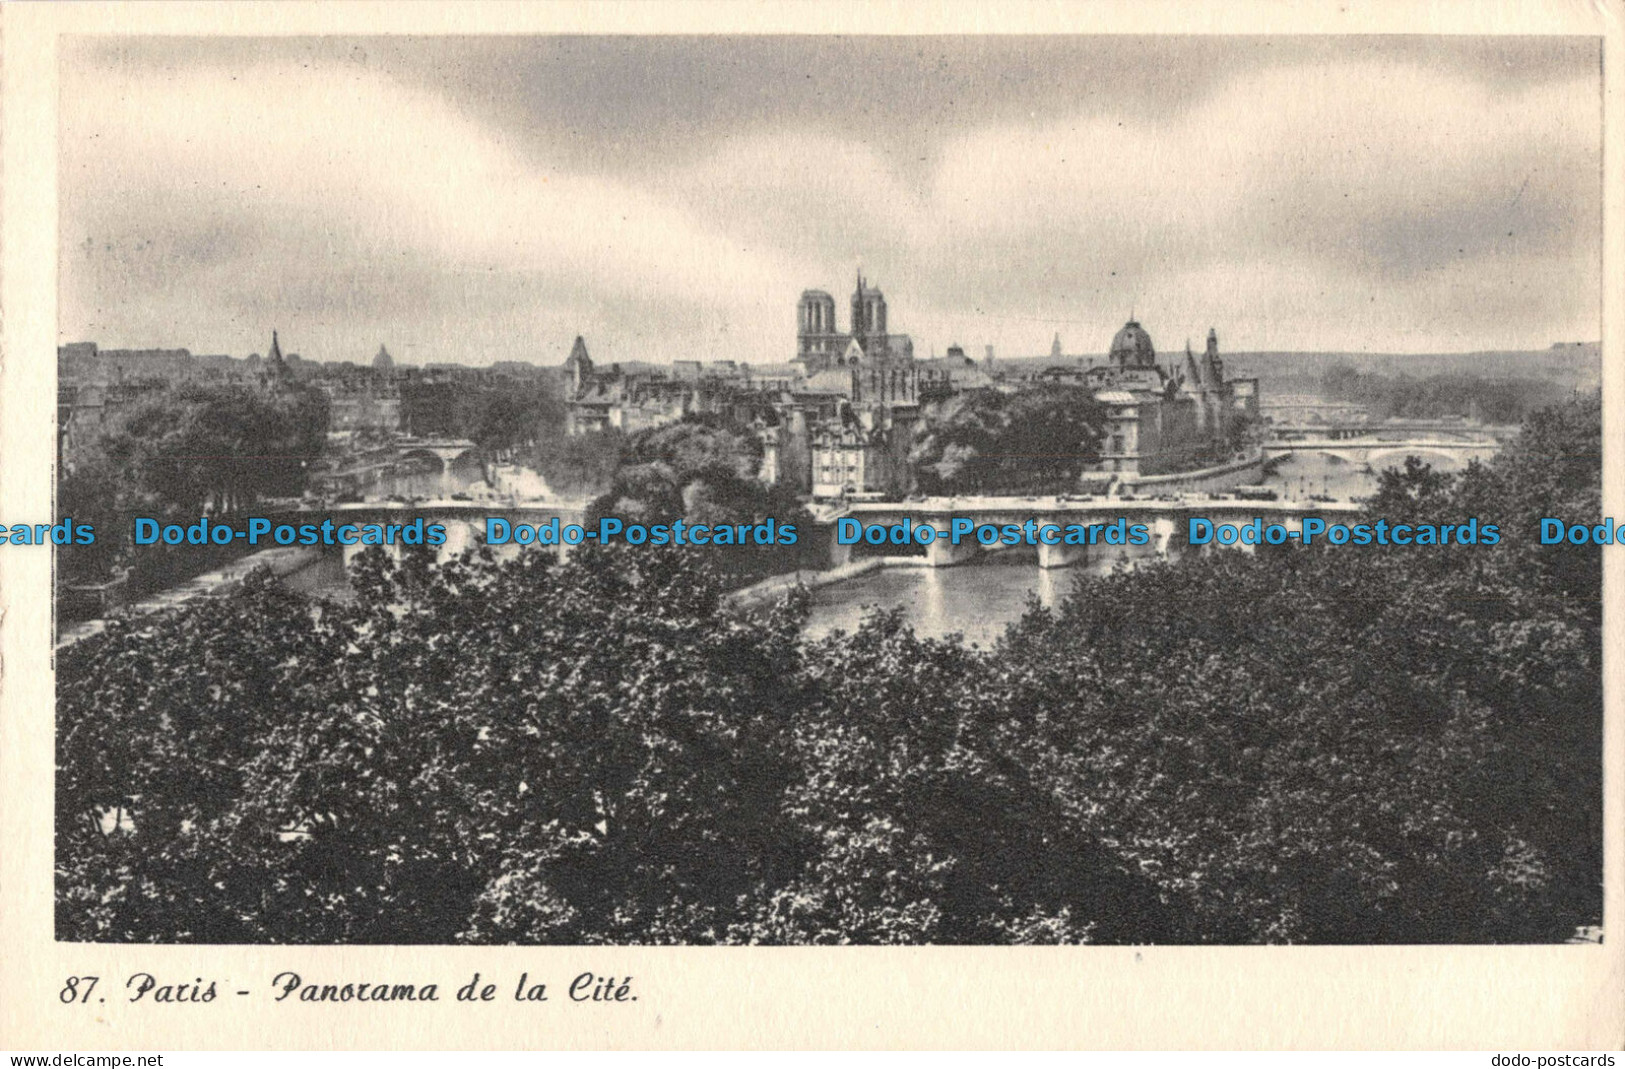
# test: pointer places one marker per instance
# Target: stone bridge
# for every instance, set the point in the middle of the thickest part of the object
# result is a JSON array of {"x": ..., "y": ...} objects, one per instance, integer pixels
[
  {"x": 464, "y": 520},
  {"x": 1166, "y": 520},
  {"x": 457, "y": 463},
  {"x": 1450, "y": 454},
  {"x": 447, "y": 452},
  {"x": 1396, "y": 431}
]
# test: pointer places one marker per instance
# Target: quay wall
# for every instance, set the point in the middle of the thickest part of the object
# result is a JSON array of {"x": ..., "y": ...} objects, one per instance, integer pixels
[
  {"x": 775, "y": 587},
  {"x": 1226, "y": 476},
  {"x": 283, "y": 561}
]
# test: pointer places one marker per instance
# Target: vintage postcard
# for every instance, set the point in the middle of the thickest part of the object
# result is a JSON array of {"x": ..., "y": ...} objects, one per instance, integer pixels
[{"x": 773, "y": 526}]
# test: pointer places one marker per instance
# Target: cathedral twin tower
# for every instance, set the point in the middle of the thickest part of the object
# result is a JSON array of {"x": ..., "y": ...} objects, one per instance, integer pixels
[{"x": 820, "y": 343}]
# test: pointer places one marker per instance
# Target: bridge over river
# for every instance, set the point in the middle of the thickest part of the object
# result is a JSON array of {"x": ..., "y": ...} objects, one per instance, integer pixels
[
  {"x": 322, "y": 567},
  {"x": 1443, "y": 444},
  {"x": 464, "y": 521},
  {"x": 1165, "y": 518},
  {"x": 1448, "y": 446},
  {"x": 1448, "y": 454}
]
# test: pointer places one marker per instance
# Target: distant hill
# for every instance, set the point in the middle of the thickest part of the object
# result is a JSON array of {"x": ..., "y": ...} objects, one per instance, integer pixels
[
  {"x": 1568, "y": 366},
  {"x": 1574, "y": 365}
]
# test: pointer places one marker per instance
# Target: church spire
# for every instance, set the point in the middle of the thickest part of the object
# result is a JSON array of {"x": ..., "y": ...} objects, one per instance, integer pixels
[
  {"x": 276, "y": 373},
  {"x": 1194, "y": 377}
]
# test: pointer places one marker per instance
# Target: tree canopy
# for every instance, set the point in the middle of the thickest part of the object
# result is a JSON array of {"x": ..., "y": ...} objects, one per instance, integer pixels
[
  {"x": 1506, "y": 400},
  {"x": 188, "y": 450},
  {"x": 1322, "y": 745},
  {"x": 988, "y": 442},
  {"x": 703, "y": 469}
]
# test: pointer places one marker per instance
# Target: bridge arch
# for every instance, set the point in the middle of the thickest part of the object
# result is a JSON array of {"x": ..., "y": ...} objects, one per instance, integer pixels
[
  {"x": 443, "y": 453},
  {"x": 1441, "y": 459},
  {"x": 1343, "y": 456},
  {"x": 455, "y": 461}
]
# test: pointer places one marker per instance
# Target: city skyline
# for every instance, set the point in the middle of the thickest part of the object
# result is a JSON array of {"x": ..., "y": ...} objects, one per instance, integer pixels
[{"x": 478, "y": 200}]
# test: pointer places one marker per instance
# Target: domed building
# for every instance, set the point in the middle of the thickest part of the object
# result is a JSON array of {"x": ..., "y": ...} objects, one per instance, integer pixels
[
  {"x": 1161, "y": 420},
  {"x": 1131, "y": 347}
]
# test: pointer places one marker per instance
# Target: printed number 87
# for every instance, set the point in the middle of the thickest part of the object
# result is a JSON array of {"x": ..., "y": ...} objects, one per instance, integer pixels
[{"x": 71, "y": 993}]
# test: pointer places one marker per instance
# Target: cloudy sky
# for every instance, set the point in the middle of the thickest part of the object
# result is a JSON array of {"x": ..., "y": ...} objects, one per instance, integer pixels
[{"x": 473, "y": 200}]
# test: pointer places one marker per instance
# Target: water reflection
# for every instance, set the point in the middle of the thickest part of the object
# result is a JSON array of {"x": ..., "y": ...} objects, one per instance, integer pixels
[
  {"x": 1300, "y": 476},
  {"x": 979, "y": 600}
]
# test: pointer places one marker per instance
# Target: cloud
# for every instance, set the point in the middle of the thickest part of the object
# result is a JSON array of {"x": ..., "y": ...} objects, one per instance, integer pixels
[
  {"x": 1311, "y": 161},
  {"x": 1372, "y": 202},
  {"x": 342, "y": 193}
]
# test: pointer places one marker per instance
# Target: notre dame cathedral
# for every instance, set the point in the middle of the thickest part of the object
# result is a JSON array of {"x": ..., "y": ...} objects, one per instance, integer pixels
[{"x": 821, "y": 345}]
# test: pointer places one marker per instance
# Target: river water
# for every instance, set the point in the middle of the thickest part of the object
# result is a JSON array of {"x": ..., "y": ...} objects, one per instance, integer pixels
[
  {"x": 976, "y": 600},
  {"x": 979, "y": 599}
]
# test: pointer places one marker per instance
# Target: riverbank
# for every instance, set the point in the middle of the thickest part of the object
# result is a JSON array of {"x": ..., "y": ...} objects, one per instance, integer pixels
[
  {"x": 770, "y": 590},
  {"x": 775, "y": 587},
  {"x": 282, "y": 561},
  {"x": 1219, "y": 477}
]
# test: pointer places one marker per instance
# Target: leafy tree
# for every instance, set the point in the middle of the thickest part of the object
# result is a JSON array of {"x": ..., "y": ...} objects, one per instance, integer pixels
[
  {"x": 932, "y": 830},
  {"x": 1384, "y": 744},
  {"x": 581, "y": 464},
  {"x": 186, "y": 451},
  {"x": 984, "y": 441},
  {"x": 703, "y": 470},
  {"x": 471, "y": 751},
  {"x": 93, "y": 494},
  {"x": 501, "y": 416},
  {"x": 1317, "y": 745},
  {"x": 224, "y": 447}
]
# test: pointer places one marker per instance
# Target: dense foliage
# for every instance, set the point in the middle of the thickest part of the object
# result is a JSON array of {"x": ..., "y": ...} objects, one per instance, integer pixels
[
  {"x": 1341, "y": 745},
  {"x": 501, "y": 417},
  {"x": 1390, "y": 744},
  {"x": 988, "y": 442},
  {"x": 576, "y": 465},
  {"x": 702, "y": 469},
  {"x": 188, "y": 451},
  {"x": 1506, "y": 400}
]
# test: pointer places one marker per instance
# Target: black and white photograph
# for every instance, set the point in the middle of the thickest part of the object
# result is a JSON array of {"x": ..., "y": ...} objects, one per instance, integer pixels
[{"x": 828, "y": 490}]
